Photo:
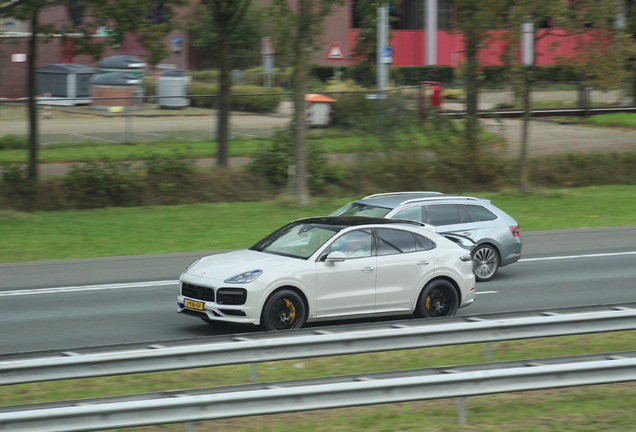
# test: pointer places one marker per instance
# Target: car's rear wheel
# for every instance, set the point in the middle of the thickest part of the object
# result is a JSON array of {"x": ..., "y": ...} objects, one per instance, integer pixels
[
  {"x": 283, "y": 310},
  {"x": 438, "y": 299},
  {"x": 485, "y": 262}
]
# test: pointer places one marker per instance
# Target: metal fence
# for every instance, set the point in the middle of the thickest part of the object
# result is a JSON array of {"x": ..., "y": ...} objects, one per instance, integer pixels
[
  {"x": 321, "y": 393},
  {"x": 150, "y": 122}
]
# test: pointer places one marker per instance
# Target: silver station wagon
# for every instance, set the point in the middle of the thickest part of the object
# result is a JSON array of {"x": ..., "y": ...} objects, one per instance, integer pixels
[{"x": 495, "y": 233}]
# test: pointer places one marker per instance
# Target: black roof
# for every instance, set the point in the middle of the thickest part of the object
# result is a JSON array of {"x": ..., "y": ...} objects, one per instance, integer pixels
[{"x": 354, "y": 221}]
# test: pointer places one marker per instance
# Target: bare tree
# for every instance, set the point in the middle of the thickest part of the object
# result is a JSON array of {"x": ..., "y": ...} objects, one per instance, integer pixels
[
  {"x": 305, "y": 19},
  {"x": 227, "y": 15}
]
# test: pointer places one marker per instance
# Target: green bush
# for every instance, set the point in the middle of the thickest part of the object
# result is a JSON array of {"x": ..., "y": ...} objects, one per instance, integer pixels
[
  {"x": 13, "y": 142},
  {"x": 103, "y": 184},
  {"x": 177, "y": 164},
  {"x": 355, "y": 110},
  {"x": 500, "y": 74},
  {"x": 583, "y": 169},
  {"x": 274, "y": 160},
  {"x": 261, "y": 103},
  {"x": 204, "y": 76},
  {"x": 324, "y": 73},
  {"x": 413, "y": 75}
]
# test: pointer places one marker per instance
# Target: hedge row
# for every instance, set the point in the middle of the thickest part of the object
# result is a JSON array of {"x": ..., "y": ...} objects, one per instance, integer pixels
[
  {"x": 402, "y": 75},
  {"x": 201, "y": 91}
]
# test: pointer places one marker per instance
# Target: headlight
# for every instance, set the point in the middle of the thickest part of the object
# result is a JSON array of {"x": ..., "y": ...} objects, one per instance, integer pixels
[
  {"x": 246, "y": 277},
  {"x": 193, "y": 264}
]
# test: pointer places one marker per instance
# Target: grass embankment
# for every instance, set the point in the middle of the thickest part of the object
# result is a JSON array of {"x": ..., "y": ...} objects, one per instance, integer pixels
[
  {"x": 574, "y": 409},
  {"x": 336, "y": 140},
  {"x": 198, "y": 227}
]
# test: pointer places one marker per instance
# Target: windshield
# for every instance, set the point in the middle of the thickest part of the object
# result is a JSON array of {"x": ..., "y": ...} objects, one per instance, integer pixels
[
  {"x": 358, "y": 209},
  {"x": 297, "y": 240}
]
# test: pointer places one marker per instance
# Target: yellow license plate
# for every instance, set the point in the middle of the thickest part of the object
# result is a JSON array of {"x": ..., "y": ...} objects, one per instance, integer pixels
[{"x": 194, "y": 304}]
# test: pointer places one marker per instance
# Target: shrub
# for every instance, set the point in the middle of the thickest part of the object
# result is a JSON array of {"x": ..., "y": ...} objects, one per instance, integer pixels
[
  {"x": 261, "y": 103},
  {"x": 177, "y": 164},
  {"x": 274, "y": 160},
  {"x": 103, "y": 184},
  {"x": 412, "y": 75},
  {"x": 10, "y": 142}
]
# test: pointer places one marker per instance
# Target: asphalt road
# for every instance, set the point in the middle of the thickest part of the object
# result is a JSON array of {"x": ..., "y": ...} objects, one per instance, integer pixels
[{"x": 99, "y": 301}]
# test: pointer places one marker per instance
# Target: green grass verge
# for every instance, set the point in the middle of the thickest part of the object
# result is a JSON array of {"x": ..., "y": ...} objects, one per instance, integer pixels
[
  {"x": 198, "y": 227},
  {"x": 334, "y": 140}
]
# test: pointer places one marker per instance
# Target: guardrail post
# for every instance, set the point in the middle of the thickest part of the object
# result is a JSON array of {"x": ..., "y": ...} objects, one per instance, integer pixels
[
  {"x": 488, "y": 351},
  {"x": 253, "y": 372},
  {"x": 461, "y": 410},
  {"x": 189, "y": 427}
]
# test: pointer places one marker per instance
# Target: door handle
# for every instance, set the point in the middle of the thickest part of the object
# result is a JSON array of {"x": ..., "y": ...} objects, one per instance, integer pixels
[
  {"x": 367, "y": 269},
  {"x": 422, "y": 262}
]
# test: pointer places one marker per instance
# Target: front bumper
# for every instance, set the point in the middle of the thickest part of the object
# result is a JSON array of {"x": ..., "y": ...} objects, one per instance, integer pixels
[{"x": 246, "y": 313}]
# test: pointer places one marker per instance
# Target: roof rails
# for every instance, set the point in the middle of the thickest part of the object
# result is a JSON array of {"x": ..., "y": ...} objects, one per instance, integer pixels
[
  {"x": 402, "y": 193},
  {"x": 442, "y": 198}
]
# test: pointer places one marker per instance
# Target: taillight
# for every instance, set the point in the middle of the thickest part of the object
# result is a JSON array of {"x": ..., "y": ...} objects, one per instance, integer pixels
[{"x": 514, "y": 230}]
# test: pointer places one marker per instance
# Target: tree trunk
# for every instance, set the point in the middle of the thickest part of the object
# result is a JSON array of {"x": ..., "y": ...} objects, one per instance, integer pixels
[
  {"x": 33, "y": 113},
  {"x": 225, "y": 88},
  {"x": 524, "y": 182},
  {"x": 301, "y": 52},
  {"x": 472, "y": 89}
]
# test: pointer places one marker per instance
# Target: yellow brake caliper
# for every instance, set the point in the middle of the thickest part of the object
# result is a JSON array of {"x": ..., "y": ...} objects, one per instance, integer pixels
[
  {"x": 292, "y": 310},
  {"x": 428, "y": 302}
]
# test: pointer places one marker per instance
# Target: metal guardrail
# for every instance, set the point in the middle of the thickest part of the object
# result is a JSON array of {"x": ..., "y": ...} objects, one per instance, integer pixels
[
  {"x": 317, "y": 343},
  {"x": 294, "y": 396},
  {"x": 544, "y": 112}
]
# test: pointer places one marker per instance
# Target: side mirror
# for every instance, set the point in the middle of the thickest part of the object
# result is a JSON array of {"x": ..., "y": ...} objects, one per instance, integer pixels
[{"x": 335, "y": 257}]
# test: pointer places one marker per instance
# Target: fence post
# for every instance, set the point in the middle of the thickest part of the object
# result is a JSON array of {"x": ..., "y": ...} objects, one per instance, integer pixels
[{"x": 461, "y": 410}]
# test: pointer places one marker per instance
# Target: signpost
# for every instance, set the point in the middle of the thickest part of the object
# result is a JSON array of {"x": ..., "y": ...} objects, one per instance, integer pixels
[
  {"x": 267, "y": 51},
  {"x": 336, "y": 54}
]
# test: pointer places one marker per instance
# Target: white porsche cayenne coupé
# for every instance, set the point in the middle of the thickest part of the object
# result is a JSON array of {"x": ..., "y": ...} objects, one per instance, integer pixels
[{"x": 326, "y": 268}]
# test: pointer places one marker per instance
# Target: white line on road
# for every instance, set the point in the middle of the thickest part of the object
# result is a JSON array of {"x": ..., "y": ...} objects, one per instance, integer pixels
[
  {"x": 578, "y": 256},
  {"x": 86, "y": 288},
  {"x": 174, "y": 282},
  {"x": 92, "y": 137}
]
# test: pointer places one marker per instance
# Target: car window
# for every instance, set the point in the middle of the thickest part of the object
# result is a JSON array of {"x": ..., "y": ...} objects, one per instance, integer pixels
[
  {"x": 358, "y": 209},
  {"x": 354, "y": 244},
  {"x": 423, "y": 243},
  {"x": 410, "y": 213},
  {"x": 482, "y": 213},
  {"x": 392, "y": 241},
  {"x": 442, "y": 214},
  {"x": 296, "y": 240}
]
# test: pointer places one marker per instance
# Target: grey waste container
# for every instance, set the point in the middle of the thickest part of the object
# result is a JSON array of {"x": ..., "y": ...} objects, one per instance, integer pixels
[{"x": 172, "y": 89}]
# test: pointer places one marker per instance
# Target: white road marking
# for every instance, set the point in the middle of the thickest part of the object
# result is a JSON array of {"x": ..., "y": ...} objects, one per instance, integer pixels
[
  {"x": 86, "y": 288},
  {"x": 175, "y": 282},
  {"x": 92, "y": 137},
  {"x": 601, "y": 255}
]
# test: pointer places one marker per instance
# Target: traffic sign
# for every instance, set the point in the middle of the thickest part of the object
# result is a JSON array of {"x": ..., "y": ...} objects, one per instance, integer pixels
[
  {"x": 335, "y": 53},
  {"x": 386, "y": 54},
  {"x": 267, "y": 48}
]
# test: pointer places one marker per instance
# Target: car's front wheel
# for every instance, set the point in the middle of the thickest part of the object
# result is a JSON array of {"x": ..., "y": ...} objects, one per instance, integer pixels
[
  {"x": 485, "y": 263},
  {"x": 438, "y": 299},
  {"x": 283, "y": 310}
]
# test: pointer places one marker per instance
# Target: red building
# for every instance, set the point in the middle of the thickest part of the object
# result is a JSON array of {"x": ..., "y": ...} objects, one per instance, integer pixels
[{"x": 408, "y": 42}]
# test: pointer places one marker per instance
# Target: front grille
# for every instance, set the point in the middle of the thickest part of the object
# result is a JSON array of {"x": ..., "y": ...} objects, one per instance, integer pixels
[
  {"x": 231, "y": 296},
  {"x": 197, "y": 292}
]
